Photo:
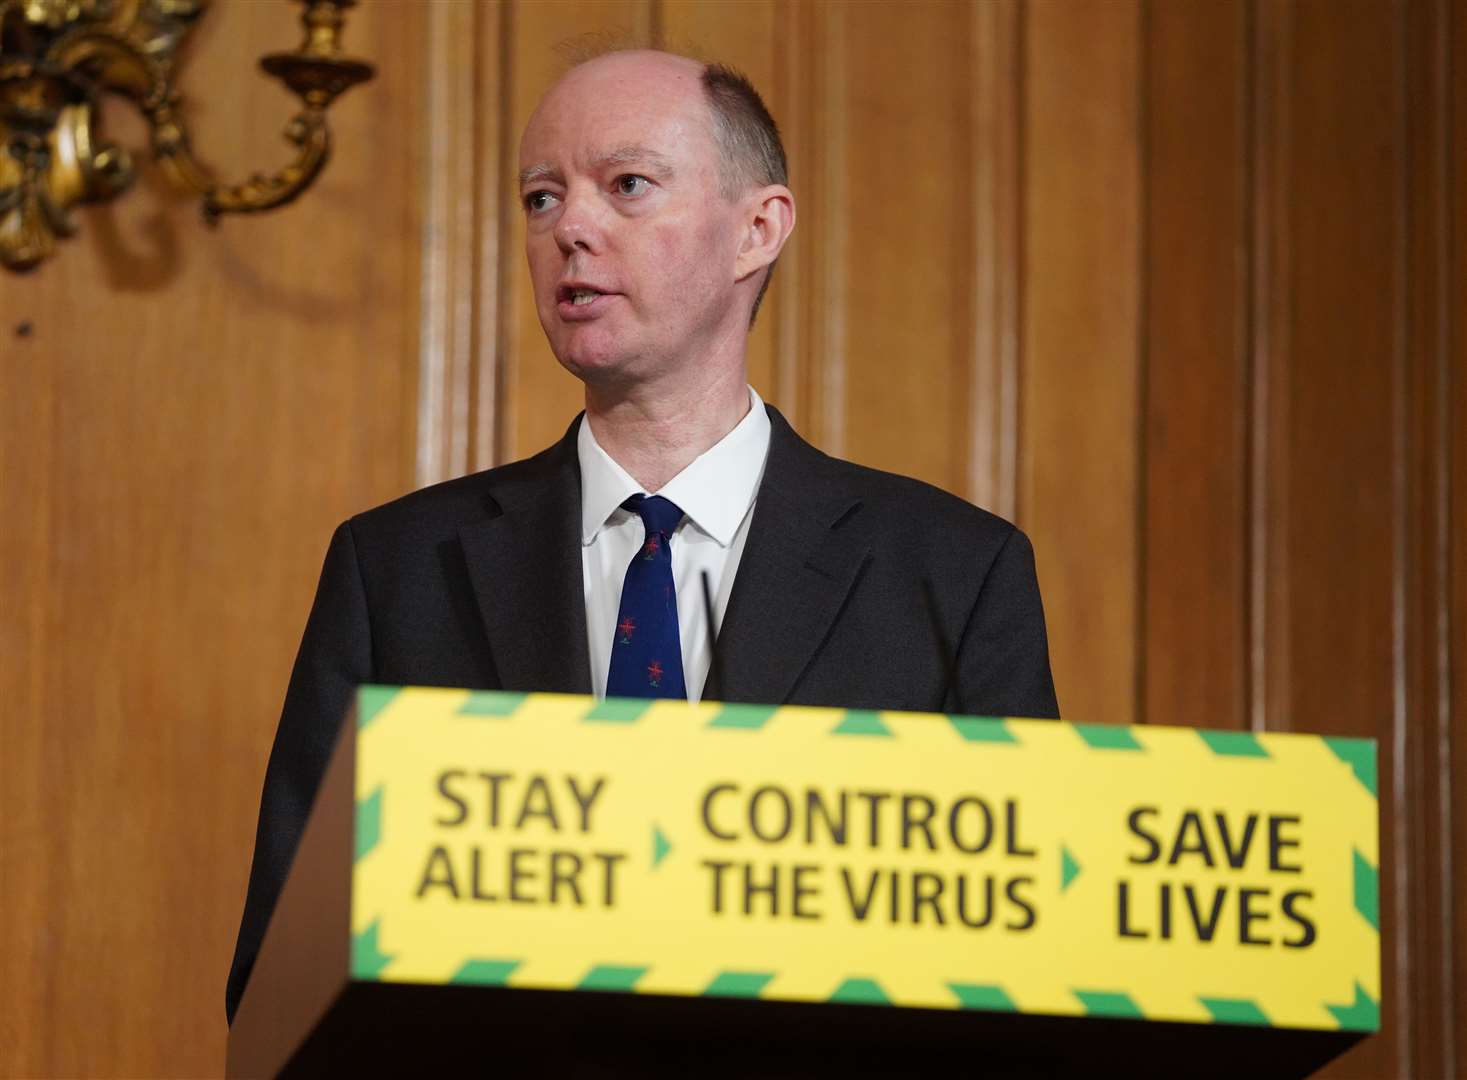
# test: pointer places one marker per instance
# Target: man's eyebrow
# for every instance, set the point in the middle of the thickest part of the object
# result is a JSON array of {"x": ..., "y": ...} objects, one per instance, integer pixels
[
  {"x": 613, "y": 159},
  {"x": 540, "y": 171},
  {"x": 636, "y": 155},
  {"x": 621, "y": 157}
]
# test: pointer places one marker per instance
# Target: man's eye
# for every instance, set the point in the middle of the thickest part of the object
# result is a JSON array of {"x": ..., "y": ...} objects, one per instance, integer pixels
[
  {"x": 632, "y": 184},
  {"x": 536, "y": 201}
]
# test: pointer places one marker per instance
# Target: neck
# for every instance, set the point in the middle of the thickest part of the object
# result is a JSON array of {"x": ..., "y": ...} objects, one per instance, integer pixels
[{"x": 656, "y": 432}]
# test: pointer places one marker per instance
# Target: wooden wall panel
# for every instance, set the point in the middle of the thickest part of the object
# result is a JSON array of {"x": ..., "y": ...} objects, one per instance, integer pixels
[
  {"x": 808, "y": 286},
  {"x": 1345, "y": 289},
  {"x": 1195, "y": 381},
  {"x": 1424, "y": 433},
  {"x": 796, "y": 291},
  {"x": 905, "y": 241},
  {"x": 1452, "y": 649},
  {"x": 996, "y": 111},
  {"x": 184, "y": 416},
  {"x": 461, "y": 201},
  {"x": 1269, "y": 328},
  {"x": 1339, "y": 456},
  {"x": 1079, "y": 390}
]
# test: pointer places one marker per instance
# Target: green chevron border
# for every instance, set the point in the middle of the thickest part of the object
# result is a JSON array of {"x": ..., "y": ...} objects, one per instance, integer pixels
[
  {"x": 1115, "y": 1003},
  {"x": 739, "y": 717},
  {"x": 618, "y": 711},
  {"x": 478, "y": 971},
  {"x": 739, "y": 984},
  {"x": 1235, "y": 1011},
  {"x": 1228, "y": 743},
  {"x": 1361, "y": 1014},
  {"x": 367, "y": 958},
  {"x": 859, "y": 991},
  {"x": 1360, "y": 755},
  {"x": 368, "y": 829},
  {"x": 1108, "y": 736},
  {"x": 491, "y": 703},
  {"x": 862, "y": 722},
  {"x": 1366, "y": 880},
  {"x": 983, "y": 729},
  {"x": 371, "y": 700},
  {"x": 368, "y": 961},
  {"x": 987, "y": 996},
  {"x": 612, "y": 978}
]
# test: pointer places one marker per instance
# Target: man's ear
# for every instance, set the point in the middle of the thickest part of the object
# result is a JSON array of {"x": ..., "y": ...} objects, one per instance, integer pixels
[{"x": 768, "y": 220}]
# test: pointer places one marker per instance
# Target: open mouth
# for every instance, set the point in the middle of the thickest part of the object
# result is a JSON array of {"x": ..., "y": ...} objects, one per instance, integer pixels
[
  {"x": 577, "y": 301},
  {"x": 577, "y": 295}
]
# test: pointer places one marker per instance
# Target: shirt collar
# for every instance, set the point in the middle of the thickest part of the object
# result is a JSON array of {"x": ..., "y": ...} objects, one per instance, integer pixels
[{"x": 715, "y": 490}]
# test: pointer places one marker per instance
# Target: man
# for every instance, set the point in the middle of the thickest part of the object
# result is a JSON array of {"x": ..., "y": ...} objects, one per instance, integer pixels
[{"x": 655, "y": 200}]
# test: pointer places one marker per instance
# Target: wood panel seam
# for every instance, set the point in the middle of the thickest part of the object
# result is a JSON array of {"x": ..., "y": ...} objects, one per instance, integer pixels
[
  {"x": 1442, "y": 575},
  {"x": 1143, "y": 353},
  {"x": 1403, "y": 756}
]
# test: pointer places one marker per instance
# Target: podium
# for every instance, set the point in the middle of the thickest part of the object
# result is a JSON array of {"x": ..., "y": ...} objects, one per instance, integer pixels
[{"x": 501, "y": 882}]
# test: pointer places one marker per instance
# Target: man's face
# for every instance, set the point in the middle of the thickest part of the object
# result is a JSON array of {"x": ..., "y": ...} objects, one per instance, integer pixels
[{"x": 631, "y": 245}]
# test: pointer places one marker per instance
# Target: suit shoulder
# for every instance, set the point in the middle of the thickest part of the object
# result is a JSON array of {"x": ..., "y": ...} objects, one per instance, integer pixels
[
  {"x": 446, "y": 506},
  {"x": 894, "y": 496}
]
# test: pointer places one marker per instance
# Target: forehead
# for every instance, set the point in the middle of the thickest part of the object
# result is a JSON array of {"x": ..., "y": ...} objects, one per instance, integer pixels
[{"x": 647, "y": 100}]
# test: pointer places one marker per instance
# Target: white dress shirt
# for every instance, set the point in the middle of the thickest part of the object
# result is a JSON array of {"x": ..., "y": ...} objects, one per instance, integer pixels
[{"x": 716, "y": 493}]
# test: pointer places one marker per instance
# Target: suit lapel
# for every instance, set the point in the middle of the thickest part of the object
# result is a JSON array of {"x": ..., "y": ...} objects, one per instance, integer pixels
[
  {"x": 796, "y": 571},
  {"x": 525, "y": 566}
]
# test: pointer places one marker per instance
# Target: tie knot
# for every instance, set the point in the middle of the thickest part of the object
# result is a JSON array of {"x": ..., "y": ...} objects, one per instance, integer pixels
[{"x": 659, "y": 515}]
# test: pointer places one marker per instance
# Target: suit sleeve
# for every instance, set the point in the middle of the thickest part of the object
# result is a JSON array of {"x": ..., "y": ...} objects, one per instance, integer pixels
[
  {"x": 1004, "y": 652},
  {"x": 335, "y": 657}
]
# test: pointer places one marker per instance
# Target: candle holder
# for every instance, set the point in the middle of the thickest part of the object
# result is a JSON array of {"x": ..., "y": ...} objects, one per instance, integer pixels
[{"x": 57, "y": 57}]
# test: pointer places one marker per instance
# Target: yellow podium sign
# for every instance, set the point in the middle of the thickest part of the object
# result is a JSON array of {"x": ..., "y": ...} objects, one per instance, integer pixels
[{"x": 825, "y": 855}]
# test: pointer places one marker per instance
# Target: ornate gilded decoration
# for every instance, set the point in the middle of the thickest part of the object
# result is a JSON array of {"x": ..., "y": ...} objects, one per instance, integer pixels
[{"x": 58, "y": 56}]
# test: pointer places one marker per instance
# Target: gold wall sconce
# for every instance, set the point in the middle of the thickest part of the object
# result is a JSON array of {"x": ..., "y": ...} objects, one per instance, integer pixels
[{"x": 57, "y": 57}]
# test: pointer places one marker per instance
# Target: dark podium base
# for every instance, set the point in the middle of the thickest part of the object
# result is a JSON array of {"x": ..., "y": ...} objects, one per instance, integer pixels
[{"x": 426, "y": 1030}]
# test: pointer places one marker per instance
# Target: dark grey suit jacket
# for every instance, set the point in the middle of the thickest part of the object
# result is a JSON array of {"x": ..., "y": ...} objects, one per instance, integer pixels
[{"x": 477, "y": 583}]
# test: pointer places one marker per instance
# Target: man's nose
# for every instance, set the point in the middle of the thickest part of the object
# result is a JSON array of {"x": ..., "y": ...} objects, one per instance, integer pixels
[{"x": 578, "y": 227}]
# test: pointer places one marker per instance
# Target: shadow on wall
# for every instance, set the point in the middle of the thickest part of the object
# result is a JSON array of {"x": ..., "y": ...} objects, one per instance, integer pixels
[{"x": 135, "y": 269}]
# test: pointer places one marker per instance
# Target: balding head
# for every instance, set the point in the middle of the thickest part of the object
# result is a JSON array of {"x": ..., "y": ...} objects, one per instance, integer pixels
[
  {"x": 751, "y": 153},
  {"x": 651, "y": 87}
]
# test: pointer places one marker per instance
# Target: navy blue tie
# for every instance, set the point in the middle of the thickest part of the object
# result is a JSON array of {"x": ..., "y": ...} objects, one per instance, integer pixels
[{"x": 646, "y": 652}]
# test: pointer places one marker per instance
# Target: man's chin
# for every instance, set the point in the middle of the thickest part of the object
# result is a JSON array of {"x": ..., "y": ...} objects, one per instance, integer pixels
[{"x": 595, "y": 362}]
